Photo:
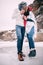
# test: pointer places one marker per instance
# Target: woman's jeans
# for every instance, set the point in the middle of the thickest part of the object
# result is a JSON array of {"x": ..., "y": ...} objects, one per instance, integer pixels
[
  {"x": 20, "y": 36},
  {"x": 20, "y": 31}
]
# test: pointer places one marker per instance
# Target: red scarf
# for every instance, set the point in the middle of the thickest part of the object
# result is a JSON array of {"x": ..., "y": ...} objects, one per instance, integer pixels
[{"x": 24, "y": 23}]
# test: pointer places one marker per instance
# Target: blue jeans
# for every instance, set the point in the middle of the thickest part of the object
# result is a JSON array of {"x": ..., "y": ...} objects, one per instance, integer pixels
[
  {"x": 20, "y": 31},
  {"x": 30, "y": 38}
]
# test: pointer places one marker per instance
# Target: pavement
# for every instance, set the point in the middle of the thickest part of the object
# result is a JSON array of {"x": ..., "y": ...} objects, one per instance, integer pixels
[{"x": 8, "y": 54}]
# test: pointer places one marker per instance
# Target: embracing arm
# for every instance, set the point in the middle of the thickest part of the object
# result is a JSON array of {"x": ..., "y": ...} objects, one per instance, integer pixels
[
  {"x": 32, "y": 17},
  {"x": 35, "y": 23}
]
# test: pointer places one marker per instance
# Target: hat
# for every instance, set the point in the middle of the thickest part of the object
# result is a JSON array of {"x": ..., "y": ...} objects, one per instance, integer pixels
[{"x": 21, "y": 5}]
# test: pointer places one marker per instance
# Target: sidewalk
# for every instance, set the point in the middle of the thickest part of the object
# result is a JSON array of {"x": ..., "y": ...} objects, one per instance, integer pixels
[{"x": 8, "y": 54}]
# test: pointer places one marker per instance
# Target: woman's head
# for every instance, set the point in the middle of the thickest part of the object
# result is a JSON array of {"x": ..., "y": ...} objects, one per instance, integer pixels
[{"x": 22, "y": 6}]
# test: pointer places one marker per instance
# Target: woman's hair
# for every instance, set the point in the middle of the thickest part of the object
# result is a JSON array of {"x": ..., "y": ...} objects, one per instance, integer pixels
[{"x": 22, "y": 5}]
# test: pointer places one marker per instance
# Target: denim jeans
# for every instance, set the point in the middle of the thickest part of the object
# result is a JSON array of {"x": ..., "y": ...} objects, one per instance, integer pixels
[
  {"x": 30, "y": 38},
  {"x": 20, "y": 31}
]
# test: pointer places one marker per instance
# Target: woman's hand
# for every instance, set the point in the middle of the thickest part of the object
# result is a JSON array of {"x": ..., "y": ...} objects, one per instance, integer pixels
[{"x": 24, "y": 17}]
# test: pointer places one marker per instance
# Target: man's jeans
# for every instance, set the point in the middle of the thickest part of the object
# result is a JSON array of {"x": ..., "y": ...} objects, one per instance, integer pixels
[{"x": 20, "y": 36}]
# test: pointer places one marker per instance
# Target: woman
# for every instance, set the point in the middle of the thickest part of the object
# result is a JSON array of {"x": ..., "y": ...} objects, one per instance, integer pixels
[{"x": 20, "y": 28}]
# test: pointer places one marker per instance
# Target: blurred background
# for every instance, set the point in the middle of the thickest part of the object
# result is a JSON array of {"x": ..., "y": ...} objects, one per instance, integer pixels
[{"x": 7, "y": 24}]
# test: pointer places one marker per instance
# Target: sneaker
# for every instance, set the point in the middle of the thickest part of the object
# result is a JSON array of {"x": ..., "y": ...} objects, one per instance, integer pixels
[{"x": 32, "y": 53}]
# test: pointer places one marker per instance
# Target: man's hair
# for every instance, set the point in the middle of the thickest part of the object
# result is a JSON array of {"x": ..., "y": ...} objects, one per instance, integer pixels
[{"x": 22, "y": 5}]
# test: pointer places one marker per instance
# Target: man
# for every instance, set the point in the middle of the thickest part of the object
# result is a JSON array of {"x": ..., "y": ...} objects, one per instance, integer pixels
[{"x": 31, "y": 29}]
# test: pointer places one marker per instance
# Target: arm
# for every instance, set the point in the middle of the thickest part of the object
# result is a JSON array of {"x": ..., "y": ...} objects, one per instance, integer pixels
[
  {"x": 31, "y": 16},
  {"x": 25, "y": 18},
  {"x": 35, "y": 25}
]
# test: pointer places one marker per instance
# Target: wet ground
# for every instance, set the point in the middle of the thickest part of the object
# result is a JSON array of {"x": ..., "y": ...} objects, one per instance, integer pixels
[{"x": 8, "y": 54}]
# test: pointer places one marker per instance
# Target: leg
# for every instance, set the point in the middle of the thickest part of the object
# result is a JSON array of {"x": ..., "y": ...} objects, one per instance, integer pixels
[
  {"x": 23, "y": 33},
  {"x": 31, "y": 43},
  {"x": 20, "y": 35},
  {"x": 30, "y": 38}
]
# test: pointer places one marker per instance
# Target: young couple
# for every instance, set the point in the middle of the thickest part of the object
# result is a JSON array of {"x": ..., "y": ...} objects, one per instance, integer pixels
[{"x": 25, "y": 21}]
